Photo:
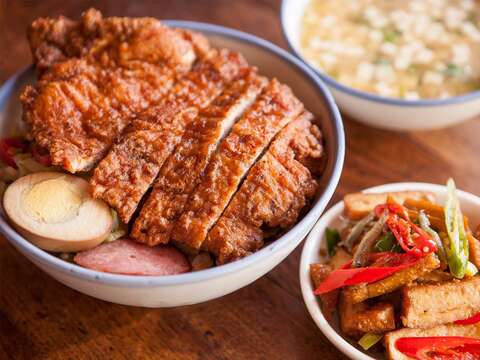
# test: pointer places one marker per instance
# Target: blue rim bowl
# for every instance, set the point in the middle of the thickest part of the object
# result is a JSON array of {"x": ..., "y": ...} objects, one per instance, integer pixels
[{"x": 365, "y": 95}]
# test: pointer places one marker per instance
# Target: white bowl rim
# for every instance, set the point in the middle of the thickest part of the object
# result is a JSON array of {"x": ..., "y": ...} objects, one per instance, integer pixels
[
  {"x": 311, "y": 301},
  {"x": 473, "y": 95},
  {"x": 58, "y": 264}
]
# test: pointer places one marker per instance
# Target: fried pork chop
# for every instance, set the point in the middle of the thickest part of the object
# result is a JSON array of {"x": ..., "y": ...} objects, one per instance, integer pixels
[
  {"x": 250, "y": 136},
  {"x": 131, "y": 166},
  {"x": 183, "y": 169},
  {"x": 142, "y": 104},
  {"x": 100, "y": 74},
  {"x": 277, "y": 187},
  {"x": 113, "y": 41}
]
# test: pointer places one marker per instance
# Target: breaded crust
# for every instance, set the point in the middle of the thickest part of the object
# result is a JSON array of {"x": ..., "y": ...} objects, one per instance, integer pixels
[
  {"x": 359, "y": 293},
  {"x": 424, "y": 306},
  {"x": 276, "y": 189},
  {"x": 125, "y": 174},
  {"x": 275, "y": 108},
  {"x": 103, "y": 40},
  {"x": 77, "y": 110},
  {"x": 183, "y": 169}
]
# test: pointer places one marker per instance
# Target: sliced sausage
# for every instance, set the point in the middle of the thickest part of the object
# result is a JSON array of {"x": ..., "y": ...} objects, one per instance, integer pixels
[{"x": 130, "y": 258}]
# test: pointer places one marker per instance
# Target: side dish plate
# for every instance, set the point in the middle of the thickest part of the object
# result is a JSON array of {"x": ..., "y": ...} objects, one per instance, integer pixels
[{"x": 315, "y": 242}]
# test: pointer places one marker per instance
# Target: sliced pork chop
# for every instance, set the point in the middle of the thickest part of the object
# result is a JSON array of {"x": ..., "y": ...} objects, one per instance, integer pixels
[
  {"x": 250, "y": 136},
  {"x": 276, "y": 189},
  {"x": 131, "y": 166},
  {"x": 76, "y": 111},
  {"x": 182, "y": 171}
]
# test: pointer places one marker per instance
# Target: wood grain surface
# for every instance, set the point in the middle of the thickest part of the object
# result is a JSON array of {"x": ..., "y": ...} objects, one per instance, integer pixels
[{"x": 42, "y": 319}]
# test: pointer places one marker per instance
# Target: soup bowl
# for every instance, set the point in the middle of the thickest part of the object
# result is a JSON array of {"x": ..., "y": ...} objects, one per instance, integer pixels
[
  {"x": 195, "y": 287},
  {"x": 375, "y": 110}
]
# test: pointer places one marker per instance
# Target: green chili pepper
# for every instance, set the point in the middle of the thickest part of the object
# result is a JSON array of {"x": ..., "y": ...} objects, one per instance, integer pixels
[
  {"x": 333, "y": 238},
  {"x": 457, "y": 249}
]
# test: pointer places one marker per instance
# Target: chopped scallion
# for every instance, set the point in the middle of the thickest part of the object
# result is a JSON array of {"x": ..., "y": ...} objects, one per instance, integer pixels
[{"x": 368, "y": 340}]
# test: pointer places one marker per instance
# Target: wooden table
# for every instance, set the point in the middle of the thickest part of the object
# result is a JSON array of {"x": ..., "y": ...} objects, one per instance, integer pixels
[{"x": 42, "y": 319}]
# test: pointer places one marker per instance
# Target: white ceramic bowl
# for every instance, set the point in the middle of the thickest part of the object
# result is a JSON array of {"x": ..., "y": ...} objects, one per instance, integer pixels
[
  {"x": 190, "y": 288},
  {"x": 470, "y": 205},
  {"x": 375, "y": 110}
]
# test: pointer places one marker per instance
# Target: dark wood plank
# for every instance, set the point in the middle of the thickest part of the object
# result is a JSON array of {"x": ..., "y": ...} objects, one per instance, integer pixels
[{"x": 42, "y": 319}]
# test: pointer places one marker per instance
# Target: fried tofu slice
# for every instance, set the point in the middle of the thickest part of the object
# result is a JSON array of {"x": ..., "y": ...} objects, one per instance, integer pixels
[
  {"x": 424, "y": 306},
  {"x": 358, "y": 205},
  {"x": 340, "y": 258},
  {"x": 319, "y": 272},
  {"x": 276, "y": 107},
  {"x": 358, "y": 319},
  {"x": 359, "y": 293},
  {"x": 441, "y": 330},
  {"x": 328, "y": 301}
]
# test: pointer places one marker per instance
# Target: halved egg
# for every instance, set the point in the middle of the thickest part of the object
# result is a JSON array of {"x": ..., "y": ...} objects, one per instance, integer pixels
[{"x": 56, "y": 212}]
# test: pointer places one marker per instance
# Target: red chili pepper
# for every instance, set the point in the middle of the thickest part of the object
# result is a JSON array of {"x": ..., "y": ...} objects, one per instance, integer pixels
[
  {"x": 411, "y": 238},
  {"x": 392, "y": 209},
  {"x": 384, "y": 265},
  {"x": 439, "y": 347},
  {"x": 471, "y": 320}
]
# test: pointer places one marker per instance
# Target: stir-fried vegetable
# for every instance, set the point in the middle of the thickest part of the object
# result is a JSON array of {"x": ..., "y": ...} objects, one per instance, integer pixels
[
  {"x": 368, "y": 340},
  {"x": 457, "y": 247},
  {"x": 425, "y": 225},
  {"x": 411, "y": 237},
  {"x": 357, "y": 231},
  {"x": 384, "y": 265},
  {"x": 333, "y": 238},
  {"x": 387, "y": 243},
  {"x": 360, "y": 257},
  {"x": 439, "y": 347}
]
